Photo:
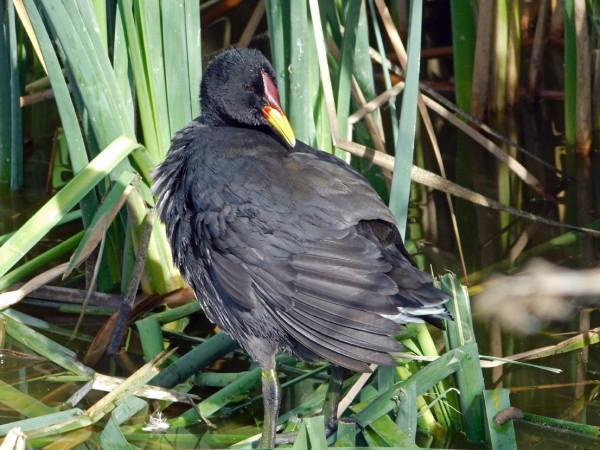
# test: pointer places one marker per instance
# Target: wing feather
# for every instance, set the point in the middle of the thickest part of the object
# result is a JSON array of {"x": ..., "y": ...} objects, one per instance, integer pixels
[
  {"x": 338, "y": 352},
  {"x": 297, "y": 237}
]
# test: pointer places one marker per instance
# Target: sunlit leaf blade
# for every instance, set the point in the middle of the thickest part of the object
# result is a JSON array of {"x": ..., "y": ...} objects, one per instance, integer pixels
[
  {"x": 58, "y": 354},
  {"x": 133, "y": 45},
  {"x": 148, "y": 23},
  {"x": 501, "y": 435},
  {"x": 72, "y": 439},
  {"x": 104, "y": 216},
  {"x": 400, "y": 192},
  {"x": 40, "y": 261},
  {"x": 300, "y": 98},
  {"x": 460, "y": 334},
  {"x": 112, "y": 436},
  {"x": 47, "y": 216},
  {"x": 91, "y": 67},
  {"x": 177, "y": 92},
  {"x": 346, "y": 65},
  {"x": 564, "y": 426},
  {"x": 9, "y": 298},
  {"x": 391, "y": 433},
  {"x": 150, "y": 336},
  {"x": 276, "y": 10},
  {"x": 315, "y": 430},
  {"x": 61, "y": 421},
  {"x": 127, "y": 388},
  {"x": 302, "y": 438},
  {"x": 346, "y": 434}
]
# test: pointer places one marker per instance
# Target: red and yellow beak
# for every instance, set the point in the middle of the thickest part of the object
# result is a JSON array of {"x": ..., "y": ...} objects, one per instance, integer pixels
[{"x": 274, "y": 113}]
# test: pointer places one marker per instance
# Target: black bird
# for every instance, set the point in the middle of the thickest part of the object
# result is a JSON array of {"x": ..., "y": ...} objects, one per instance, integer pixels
[{"x": 287, "y": 248}]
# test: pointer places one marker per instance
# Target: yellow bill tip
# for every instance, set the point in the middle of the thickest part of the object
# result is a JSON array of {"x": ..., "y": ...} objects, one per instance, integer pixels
[{"x": 280, "y": 123}]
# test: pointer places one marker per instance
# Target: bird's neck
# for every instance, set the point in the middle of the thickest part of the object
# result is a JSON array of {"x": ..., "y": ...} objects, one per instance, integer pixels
[{"x": 212, "y": 120}]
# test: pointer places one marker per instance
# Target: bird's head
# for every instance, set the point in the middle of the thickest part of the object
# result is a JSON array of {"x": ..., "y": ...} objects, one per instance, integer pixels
[{"x": 238, "y": 87}]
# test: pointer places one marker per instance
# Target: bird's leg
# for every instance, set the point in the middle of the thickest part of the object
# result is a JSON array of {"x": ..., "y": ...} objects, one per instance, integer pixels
[
  {"x": 332, "y": 399},
  {"x": 272, "y": 400}
]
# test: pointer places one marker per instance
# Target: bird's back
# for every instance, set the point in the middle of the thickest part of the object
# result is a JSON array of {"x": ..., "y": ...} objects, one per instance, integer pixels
[{"x": 289, "y": 249}]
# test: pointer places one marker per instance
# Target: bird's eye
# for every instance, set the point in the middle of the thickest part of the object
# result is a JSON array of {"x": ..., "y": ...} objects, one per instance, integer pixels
[{"x": 247, "y": 87}]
